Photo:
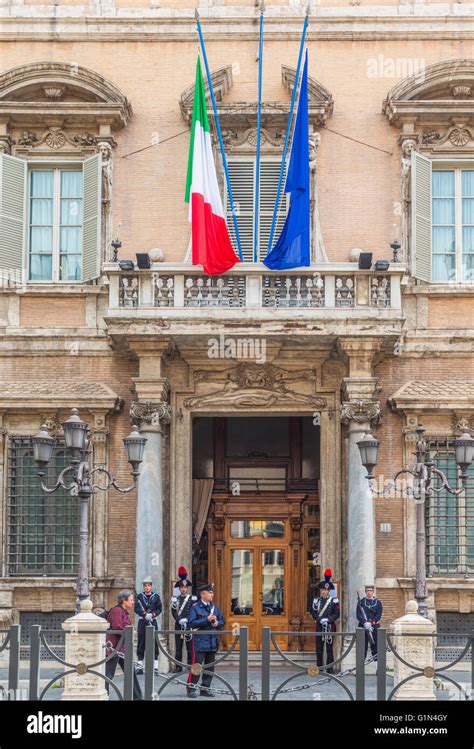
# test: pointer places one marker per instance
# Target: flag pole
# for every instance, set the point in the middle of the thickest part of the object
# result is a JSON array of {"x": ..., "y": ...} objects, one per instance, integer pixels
[
  {"x": 288, "y": 130},
  {"x": 219, "y": 133},
  {"x": 259, "y": 120}
]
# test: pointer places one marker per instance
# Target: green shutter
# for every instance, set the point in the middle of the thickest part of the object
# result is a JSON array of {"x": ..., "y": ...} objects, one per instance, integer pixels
[
  {"x": 12, "y": 215},
  {"x": 91, "y": 234},
  {"x": 269, "y": 175},
  {"x": 421, "y": 216},
  {"x": 242, "y": 176}
]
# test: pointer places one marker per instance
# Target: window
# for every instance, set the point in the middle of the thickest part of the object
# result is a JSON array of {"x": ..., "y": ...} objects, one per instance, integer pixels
[
  {"x": 55, "y": 214},
  {"x": 43, "y": 529},
  {"x": 50, "y": 219},
  {"x": 450, "y": 519},
  {"x": 442, "y": 235},
  {"x": 242, "y": 179},
  {"x": 453, "y": 224}
]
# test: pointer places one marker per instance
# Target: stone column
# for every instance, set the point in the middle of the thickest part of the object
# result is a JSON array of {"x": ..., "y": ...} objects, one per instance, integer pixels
[
  {"x": 358, "y": 409},
  {"x": 83, "y": 649},
  {"x": 360, "y": 508},
  {"x": 149, "y": 551},
  {"x": 149, "y": 538},
  {"x": 416, "y": 650}
]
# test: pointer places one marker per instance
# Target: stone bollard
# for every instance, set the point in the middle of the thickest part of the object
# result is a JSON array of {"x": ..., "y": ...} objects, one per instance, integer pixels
[
  {"x": 416, "y": 650},
  {"x": 84, "y": 648}
]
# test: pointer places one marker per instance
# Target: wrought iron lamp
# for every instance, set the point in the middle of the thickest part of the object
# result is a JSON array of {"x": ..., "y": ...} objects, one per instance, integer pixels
[
  {"x": 78, "y": 479},
  {"x": 425, "y": 472}
]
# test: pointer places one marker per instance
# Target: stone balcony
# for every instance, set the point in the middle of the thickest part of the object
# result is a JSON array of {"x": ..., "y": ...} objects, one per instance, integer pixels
[
  {"x": 320, "y": 303},
  {"x": 331, "y": 288}
]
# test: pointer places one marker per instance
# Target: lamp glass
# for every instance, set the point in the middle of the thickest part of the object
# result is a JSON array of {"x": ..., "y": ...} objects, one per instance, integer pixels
[
  {"x": 75, "y": 431},
  {"x": 135, "y": 446},
  {"x": 464, "y": 450},
  {"x": 43, "y": 445},
  {"x": 368, "y": 447}
]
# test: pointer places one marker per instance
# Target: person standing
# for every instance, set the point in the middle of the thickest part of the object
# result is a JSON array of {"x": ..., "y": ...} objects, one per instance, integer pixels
[
  {"x": 148, "y": 607},
  {"x": 119, "y": 618},
  {"x": 180, "y": 609},
  {"x": 325, "y": 611},
  {"x": 204, "y": 617},
  {"x": 369, "y": 613}
]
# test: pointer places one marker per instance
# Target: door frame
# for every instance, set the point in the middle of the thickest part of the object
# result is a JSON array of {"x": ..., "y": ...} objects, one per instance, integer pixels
[{"x": 287, "y": 506}]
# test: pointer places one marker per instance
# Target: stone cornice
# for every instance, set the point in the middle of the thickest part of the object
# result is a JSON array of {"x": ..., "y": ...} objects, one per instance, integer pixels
[{"x": 404, "y": 22}]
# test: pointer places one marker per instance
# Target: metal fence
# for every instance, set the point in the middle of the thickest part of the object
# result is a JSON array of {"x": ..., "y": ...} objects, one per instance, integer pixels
[{"x": 275, "y": 673}]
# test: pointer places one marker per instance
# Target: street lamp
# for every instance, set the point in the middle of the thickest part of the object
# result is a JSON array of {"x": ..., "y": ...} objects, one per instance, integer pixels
[
  {"x": 80, "y": 478},
  {"x": 424, "y": 472}
]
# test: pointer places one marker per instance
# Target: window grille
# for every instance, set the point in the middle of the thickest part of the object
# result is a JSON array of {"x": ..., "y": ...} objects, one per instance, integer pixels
[
  {"x": 43, "y": 530},
  {"x": 450, "y": 518}
]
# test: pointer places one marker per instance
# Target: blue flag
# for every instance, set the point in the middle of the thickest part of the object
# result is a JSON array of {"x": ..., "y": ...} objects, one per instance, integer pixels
[{"x": 292, "y": 249}]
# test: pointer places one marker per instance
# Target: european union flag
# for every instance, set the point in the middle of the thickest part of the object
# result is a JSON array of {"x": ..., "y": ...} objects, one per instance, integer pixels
[{"x": 292, "y": 249}]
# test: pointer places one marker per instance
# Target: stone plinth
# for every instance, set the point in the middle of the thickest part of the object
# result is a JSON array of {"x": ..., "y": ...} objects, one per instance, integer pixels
[
  {"x": 416, "y": 650},
  {"x": 83, "y": 649}
]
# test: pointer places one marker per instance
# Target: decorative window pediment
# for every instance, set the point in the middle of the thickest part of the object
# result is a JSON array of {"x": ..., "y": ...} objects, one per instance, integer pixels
[
  {"x": 436, "y": 107},
  {"x": 274, "y": 113}
]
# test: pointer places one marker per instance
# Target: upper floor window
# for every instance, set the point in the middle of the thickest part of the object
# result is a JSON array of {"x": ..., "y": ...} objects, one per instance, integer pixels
[
  {"x": 442, "y": 231},
  {"x": 50, "y": 219},
  {"x": 453, "y": 224},
  {"x": 242, "y": 174},
  {"x": 55, "y": 216}
]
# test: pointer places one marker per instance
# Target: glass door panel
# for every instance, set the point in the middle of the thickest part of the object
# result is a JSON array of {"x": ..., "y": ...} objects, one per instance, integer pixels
[
  {"x": 273, "y": 582},
  {"x": 242, "y": 582}
]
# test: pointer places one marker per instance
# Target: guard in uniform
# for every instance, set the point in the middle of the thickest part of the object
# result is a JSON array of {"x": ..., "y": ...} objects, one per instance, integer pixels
[
  {"x": 325, "y": 610},
  {"x": 369, "y": 613},
  {"x": 181, "y": 604},
  {"x": 204, "y": 617},
  {"x": 148, "y": 607}
]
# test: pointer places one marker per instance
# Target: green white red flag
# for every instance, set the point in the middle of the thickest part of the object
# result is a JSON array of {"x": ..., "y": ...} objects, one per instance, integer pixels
[{"x": 211, "y": 245}]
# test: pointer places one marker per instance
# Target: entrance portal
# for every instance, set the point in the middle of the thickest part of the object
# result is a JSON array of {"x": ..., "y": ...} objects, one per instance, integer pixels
[{"x": 261, "y": 542}]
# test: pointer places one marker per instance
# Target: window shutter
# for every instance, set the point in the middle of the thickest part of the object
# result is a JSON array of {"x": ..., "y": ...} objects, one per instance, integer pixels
[
  {"x": 91, "y": 231},
  {"x": 242, "y": 177},
  {"x": 269, "y": 174},
  {"x": 12, "y": 215},
  {"x": 421, "y": 216}
]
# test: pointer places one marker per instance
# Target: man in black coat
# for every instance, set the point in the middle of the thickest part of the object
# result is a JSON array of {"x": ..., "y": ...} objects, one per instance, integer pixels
[
  {"x": 325, "y": 610},
  {"x": 369, "y": 612},
  {"x": 180, "y": 609},
  {"x": 148, "y": 607}
]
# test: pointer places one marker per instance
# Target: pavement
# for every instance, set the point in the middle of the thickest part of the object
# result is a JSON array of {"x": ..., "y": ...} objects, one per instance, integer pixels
[{"x": 301, "y": 687}]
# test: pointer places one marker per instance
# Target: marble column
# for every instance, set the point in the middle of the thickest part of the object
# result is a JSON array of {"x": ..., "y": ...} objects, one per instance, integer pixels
[
  {"x": 360, "y": 509},
  {"x": 149, "y": 554}
]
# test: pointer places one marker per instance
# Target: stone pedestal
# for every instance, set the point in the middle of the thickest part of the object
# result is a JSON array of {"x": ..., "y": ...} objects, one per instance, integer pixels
[
  {"x": 416, "y": 650},
  {"x": 83, "y": 649}
]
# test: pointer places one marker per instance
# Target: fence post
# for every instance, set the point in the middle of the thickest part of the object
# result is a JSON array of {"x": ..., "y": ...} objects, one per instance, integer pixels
[
  {"x": 266, "y": 646},
  {"x": 150, "y": 634},
  {"x": 85, "y": 636},
  {"x": 381, "y": 664},
  {"x": 35, "y": 644},
  {"x": 360, "y": 663},
  {"x": 472, "y": 666},
  {"x": 14, "y": 662},
  {"x": 128, "y": 663},
  {"x": 243, "y": 663},
  {"x": 416, "y": 650}
]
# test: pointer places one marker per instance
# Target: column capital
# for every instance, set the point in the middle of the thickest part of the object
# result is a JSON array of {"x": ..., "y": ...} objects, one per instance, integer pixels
[
  {"x": 151, "y": 414},
  {"x": 360, "y": 412}
]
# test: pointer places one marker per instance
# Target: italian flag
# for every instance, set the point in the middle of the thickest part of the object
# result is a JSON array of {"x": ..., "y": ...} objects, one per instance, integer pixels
[{"x": 211, "y": 245}]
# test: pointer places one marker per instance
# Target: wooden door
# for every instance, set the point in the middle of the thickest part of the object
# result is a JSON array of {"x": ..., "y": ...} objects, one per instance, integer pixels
[{"x": 256, "y": 571}]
